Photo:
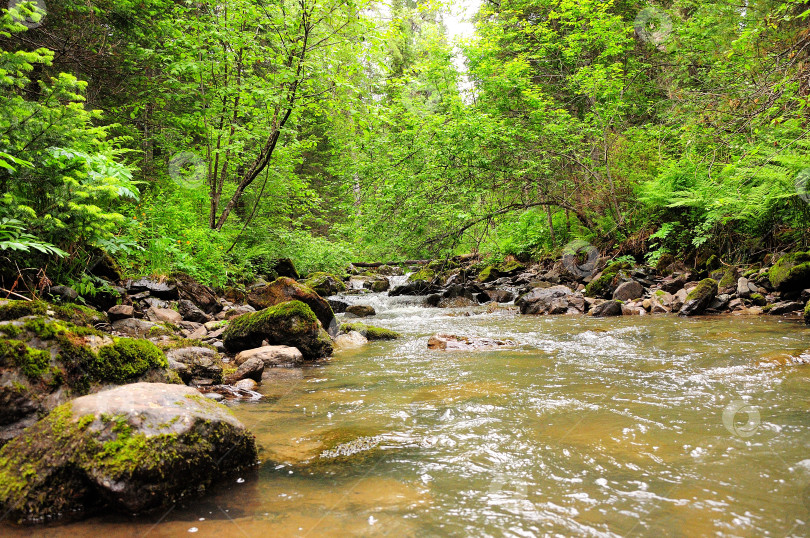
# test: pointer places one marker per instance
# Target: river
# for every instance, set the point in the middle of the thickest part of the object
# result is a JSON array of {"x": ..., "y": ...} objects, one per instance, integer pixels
[{"x": 629, "y": 426}]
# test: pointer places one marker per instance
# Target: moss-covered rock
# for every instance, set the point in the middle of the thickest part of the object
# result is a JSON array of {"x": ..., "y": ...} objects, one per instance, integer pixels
[
  {"x": 325, "y": 284},
  {"x": 602, "y": 286},
  {"x": 757, "y": 299},
  {"x": 76, "y": 314},
  {"x": 44, "y": 362},
  {"x": 699, "y": 298},
  {"x": 807, "y": 313},
  {"x": 511, "y": 267},
  {"x": 423, "y": 275},
  {"x": 664, "y": 262},
  {"x": 288, "y": 324},
  {"x": 370, "y": 332},
  {"x": 489, "y": 274},
  {"x": 285, "y": 289},
  {"x": 791, "y": 272},
  {"x": 134, "y": 449}
]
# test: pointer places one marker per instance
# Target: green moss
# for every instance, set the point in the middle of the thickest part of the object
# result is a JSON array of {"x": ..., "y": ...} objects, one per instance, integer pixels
[
  {"x": 76, "y": 314},
  {"x": 600, "y": 286},
  {"x": 807, "y": 313},
  {"x": 425, "y": 274},
  {"x": 511, "y": 266},
  {"x": 753, "y": 270},
  {"x": 664, "y": 262},
  {"x": 126, "y": 359},
  {"x": 757, "y": 299},
  {"x": 325, "y": 283},
  {"x": 177, "y": 342},
  {"x": 253, "y": 321},
  {"x": 704, "y": 287},
  {"x": 615, "y": 267},
  {"x": 488, "y": 274},
  {"x": 767, "y": 308},
  {"x": 712, "y": 262},
  {"x": 157, "y": 331},
  {"x": 729, "y": 278},
  {"x": 791, "y": 271},
  {"x": 34, "y": 363},
  {"x": 9, "y": 330},
  {"x": 370, "y": 332}
]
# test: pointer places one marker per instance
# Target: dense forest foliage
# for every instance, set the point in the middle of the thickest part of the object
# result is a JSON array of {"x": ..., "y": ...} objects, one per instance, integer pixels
[{"x": 211, "y": 137}]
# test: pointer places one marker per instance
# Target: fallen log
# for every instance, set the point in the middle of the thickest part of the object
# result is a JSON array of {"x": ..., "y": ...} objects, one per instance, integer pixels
[{"x": 380, "y": 264}]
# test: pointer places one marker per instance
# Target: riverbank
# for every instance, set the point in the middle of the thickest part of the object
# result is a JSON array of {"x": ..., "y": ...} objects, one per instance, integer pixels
[{"x": 226, "y": 344}]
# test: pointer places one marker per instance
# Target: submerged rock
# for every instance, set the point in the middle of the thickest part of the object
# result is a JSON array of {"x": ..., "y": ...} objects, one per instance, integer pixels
[
  {"x": 249, "y": 369},
  {"x": 450, "y": 342},
  {"x": 134, "y": 449},
  {"x": 291, "y": 324},
  {"x": 285, "y": 289},
  {"x": 361, "y": 311},
  {"x": 370, "y": 332},
  {"x": 350, "y": 340}
]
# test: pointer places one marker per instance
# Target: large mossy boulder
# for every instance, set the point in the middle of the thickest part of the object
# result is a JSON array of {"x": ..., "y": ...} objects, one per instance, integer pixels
[
  {"x": 133, "y": 449},
  {"x": 807, "y": 313},
  {"x": 76, "y": 314},
  {"x": 325, "y": 284},
  {"x": 791, "y": 272},
  {"x": 288, "y": 324},
  {"x": 44, "y": 362},
  {"x": 285, "y": 289},
  {"x": 699, "y": 299}
]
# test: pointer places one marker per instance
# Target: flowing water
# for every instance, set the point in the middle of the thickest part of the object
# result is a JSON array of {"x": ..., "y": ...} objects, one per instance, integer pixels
[{"x": 630, "y": 426}]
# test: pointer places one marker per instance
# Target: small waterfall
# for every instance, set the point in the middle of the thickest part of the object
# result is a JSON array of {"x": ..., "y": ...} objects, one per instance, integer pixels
[{"x": 395, "y": 281}]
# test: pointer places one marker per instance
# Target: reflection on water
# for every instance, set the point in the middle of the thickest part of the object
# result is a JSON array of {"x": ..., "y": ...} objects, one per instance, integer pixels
[{"x": 646, "y": 426}]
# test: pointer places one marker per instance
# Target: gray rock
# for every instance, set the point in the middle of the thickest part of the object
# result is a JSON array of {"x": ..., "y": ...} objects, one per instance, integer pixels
[
  {"x": 201, "y": 365},
  {"x": 250, "y": 369},
  {"x": 120, "y": 311},
  {"x": 63, "y": 292},
  {"x": 785, "y": 307},
  {"x": 164, "y": 314},
  {"x": 628, "y": 291},
  {"x": 133, "y": 326},
  {"x": 608, "y": 308},
  {"x": 132, "y": 449},
  {"x": 192, "y": 312},
  {"x": 552, "y": 300},
  {"x": 272, "y": 356},
  {"x": 743, "y": 289},
  {"x": 162, "y": 290}
]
